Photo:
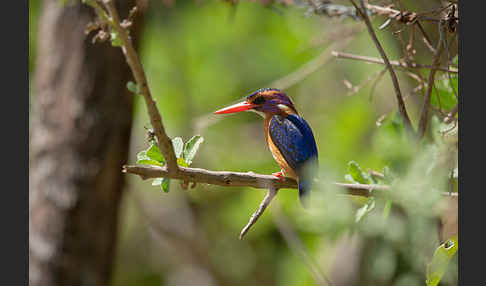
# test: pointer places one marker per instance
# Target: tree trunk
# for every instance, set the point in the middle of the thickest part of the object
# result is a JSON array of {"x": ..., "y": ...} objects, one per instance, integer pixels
[{"x": 80, "y": 131}]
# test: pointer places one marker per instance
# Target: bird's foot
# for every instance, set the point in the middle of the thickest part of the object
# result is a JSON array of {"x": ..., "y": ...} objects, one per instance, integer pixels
[{"x": 279, "y": 175}]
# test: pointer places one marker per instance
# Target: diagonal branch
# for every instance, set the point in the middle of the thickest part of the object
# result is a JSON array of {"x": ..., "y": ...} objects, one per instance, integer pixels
[
  {"x": 401, "y": 104},
  {"x": 113, "y": 19},
  {"x": 424, "y": 117},
  {"x": 272, "y": 192},
  {"x": 397, "y": 64}
]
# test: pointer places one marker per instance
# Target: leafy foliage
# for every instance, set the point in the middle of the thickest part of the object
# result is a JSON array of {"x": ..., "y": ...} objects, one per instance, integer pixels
[
  {"x": 184, "y": 153},
  {"x": 442, "y": 256}
]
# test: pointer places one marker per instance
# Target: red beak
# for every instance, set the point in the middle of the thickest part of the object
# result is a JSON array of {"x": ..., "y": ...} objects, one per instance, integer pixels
[{"x": 242, "y": 106}]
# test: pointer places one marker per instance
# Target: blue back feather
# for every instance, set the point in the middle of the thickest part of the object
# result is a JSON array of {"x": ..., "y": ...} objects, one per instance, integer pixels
[{"x": 295, "y": 140}]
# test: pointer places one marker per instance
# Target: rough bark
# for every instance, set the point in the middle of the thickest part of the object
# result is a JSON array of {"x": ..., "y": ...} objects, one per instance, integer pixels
[{"x": 80, "y": 131}]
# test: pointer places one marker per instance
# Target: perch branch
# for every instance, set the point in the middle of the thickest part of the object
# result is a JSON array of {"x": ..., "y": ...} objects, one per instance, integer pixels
[
  {"x": 240, "y": 179},
  {"x": 164, "y": 142},
  {"x": 272, "y": 192},
  {"x": 397, "y": 64},
  {"x": 401, "y": 104}
]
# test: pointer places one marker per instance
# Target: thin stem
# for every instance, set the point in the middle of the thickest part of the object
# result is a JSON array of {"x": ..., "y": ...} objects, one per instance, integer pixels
[
  {"x": 424, "y": 117},
  {"x": 272, "y": 192},
  {"x": 165, "y": 143},
  {"x": 401, "y": 104},
  {"x": 398, "y": 64}
]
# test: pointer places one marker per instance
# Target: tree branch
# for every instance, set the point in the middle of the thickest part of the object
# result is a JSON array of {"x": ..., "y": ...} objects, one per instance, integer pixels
[
  {"x": 398, "y": 64},
  {"x": 164, "y": 142},
  {"x": 272, "y": 192},
  {"x": 451, "y": 115},
  {"x": 424, "y": 117},
  {"x": 240, "y": 179},
  {"x": 401, "y": 104}
]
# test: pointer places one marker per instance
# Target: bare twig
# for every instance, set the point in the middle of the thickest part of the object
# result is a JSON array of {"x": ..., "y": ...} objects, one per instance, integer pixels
[
  {"x": 397, "y": 64},
  {"x": 401, "y": 104},
  {"x": 310, "y": 67},
  {"x": 451, "y": 115},
  {"x": 426, "y": 38},
  {"x": 424, "y": 117},
  {"x": 406, "y": 17},
  {"x": 372, "y": 78},
  {"x": 376, "y": 81},
  {"x": 272, "y": 192},
  {"x": 164, "y": 142}
]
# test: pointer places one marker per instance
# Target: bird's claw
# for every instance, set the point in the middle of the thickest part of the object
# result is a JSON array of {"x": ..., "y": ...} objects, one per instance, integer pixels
[{"x": 279, "y": 175}]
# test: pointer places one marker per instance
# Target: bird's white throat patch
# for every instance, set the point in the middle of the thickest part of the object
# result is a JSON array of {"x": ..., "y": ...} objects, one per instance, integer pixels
[{"x": 258, "y": 112}]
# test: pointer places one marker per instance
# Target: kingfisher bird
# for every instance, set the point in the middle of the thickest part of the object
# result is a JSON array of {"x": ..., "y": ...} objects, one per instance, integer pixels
[{"x": 289, "y": 137}]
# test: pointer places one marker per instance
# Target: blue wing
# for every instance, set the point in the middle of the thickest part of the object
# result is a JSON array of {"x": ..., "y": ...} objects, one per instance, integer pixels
[{"x": 294, "y": 139}]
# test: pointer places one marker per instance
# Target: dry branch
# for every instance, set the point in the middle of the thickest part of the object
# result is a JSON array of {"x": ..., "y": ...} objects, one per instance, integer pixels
[
  {"x": 164, "y": 142},
  {"x": 272, "y": 192},
  {"x": 240, "y": 179},
  {"x": 401, "y": 104},
  {"x": 424, "y": 117},
  {"x": 398, "y": 64}
]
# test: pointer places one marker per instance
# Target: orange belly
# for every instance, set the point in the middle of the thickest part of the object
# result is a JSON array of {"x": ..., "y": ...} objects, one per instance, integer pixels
[{"x": 286, "y": 169}]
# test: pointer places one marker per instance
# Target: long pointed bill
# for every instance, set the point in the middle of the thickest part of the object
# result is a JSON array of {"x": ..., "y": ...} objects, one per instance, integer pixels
[{"x": 242, "y": 106}]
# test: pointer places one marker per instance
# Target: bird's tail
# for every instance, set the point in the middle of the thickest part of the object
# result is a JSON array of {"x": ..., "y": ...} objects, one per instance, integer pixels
[{"x": 304, "y": 191}]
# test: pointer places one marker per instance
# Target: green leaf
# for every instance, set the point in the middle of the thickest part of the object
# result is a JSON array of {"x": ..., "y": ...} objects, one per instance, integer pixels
[
  {"x": 350, "y": 179},
  {"x": 182, "y": 162},
  {"x": 444, "y": 90},
  {"x": 142, "y": 158},
  {"x": 442, "y": 256},
  {"x": 178, "y": 144},
  {"x": 115, "y": 39},
  {"x": 366, "y": 208},
  {"x": 165, "y": 185},
  {"x": 191, "y": 148},
  {"x": 387, "y": 208},
  {"x": 157, "y": 181},
  {"x": 357, "y": 174},
  {"x": 153, "y": 153},
  {"x": 149, "y": 162},
  {"x": 133, "y": 87}
]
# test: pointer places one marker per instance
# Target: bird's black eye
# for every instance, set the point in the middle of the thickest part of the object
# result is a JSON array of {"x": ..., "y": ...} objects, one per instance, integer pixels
[{"x": 259, "y": 100}]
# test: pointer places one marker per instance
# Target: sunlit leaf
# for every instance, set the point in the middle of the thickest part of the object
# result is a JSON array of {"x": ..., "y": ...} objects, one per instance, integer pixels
[
  {"x": 387, "y": 208},
  {"x": 191, "y": 148},
  {"x": 181, "y": 162},
  {"x": 366, "y": 208},
  {"x": 445, "y": 89},
  {"x": 350, "y": 179},
  {"x": 165, "y": 185},
  {"x": 115, "y": 39},
  {"x": 442, "y": 256},
  {"x": 154, "y": 153},
  {"x": 133, "y": 87},
  {"x": 357, "y": 174},
  {"x": 178, "y": 145},
  {"x": 157, "y": 181}
]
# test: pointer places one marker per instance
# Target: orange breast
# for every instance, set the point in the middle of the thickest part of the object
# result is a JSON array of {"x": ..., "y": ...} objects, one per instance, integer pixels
[{"x": 287, "y": 170}]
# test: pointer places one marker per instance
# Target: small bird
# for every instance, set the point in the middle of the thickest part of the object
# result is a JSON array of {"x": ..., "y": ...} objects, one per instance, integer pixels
[{"x": 288, "y": 136}]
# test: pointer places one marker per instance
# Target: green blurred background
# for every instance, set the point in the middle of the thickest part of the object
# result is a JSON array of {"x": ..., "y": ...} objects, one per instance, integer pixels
[{"x": 202, "y": 55}]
